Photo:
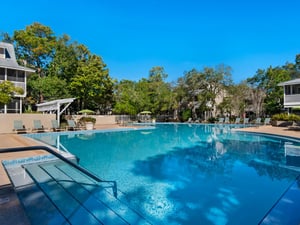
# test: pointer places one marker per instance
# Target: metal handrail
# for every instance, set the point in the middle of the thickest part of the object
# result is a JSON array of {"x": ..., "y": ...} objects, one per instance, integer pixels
[{"x": 51, "y": 151}]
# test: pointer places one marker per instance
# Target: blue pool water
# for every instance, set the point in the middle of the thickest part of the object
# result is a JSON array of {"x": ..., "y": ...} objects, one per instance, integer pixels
[{"x": 189, "y": 174}]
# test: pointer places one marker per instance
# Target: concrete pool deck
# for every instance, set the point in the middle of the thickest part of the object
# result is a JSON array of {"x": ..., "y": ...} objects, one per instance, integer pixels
[{"x": 268, "y": 129}]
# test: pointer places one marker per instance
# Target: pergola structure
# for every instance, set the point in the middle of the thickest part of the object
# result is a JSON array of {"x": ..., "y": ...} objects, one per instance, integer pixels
[{"x": 55, "y": 107}]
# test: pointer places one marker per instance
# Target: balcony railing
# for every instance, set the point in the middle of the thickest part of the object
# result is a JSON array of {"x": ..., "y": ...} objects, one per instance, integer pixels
[
  {"x": 292, "y": 99},
  {"x": 13, "y": 78}
]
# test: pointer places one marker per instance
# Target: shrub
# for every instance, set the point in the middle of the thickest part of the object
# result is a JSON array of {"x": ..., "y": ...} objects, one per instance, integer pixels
[
  {"x": 212, "y": 120},
  {"x": 86, "y": 119},
  {"x": 186, "y": 114},
  {"x": 285, "y": 117}
]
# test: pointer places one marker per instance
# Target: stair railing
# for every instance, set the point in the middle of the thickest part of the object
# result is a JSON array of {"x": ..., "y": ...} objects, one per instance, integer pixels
[{"x": 69, "y": 162}]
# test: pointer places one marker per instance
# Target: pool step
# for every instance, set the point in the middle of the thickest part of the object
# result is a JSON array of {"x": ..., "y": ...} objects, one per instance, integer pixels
[
  {"x": 80, "y": 199},
  {"x": 41, "y": 210}
]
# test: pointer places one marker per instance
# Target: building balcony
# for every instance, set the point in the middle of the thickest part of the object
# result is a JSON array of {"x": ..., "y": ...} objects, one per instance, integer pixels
[
  {"x": 21, "y": 85},
  {"x": 292, "y": 100}
]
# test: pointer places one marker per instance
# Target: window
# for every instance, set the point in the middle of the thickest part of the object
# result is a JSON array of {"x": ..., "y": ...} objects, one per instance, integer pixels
[
  {"x": 287, "y": 90},
  {"x": 2, "y": 73},
  {"x": 11, "y": 75},
  {"x": 7, "y": 56},
  {"x": 296, "y": 89},
  {"x": 21, "y": 76},
  {"x": 13, "y": 106}
]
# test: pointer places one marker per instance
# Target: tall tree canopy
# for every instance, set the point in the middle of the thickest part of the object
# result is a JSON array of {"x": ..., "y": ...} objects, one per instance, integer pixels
[
  {"x": 198, "y": 90},
  {"x": 267, "y": 96},
  {"x": 65, "y": 60},
  {"x": 35, "y": 45},
  {"x": 91, "y": 83},
  {"x": 152, "y": 94},
  {"x": 126, "y": 97},
  {"x": 64, "y": 69}
]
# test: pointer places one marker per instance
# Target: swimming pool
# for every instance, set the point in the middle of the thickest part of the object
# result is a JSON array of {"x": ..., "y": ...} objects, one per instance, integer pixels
[{"x": 189, "y": 173}]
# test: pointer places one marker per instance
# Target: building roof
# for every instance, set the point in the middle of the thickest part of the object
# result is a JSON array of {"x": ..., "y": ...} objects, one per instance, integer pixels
[
  {"x": 10, "y": 61},
  {"x": 290, "y": 82},
  {"x": 53, "y": 105}
]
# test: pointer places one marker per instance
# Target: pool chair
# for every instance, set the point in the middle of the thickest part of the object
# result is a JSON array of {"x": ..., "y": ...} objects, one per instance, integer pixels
[
  {"x": 257, "y": 122},
  {"x": 19, "y": 128},
  {"x": 221, "y": 120},
  {"x": 190, "y": 120},
  {"x": 267, "y": 121},
  {"x": 246, "y": 120},
  {"x": 38, "y": 127},
  {"x": 72, "y": 125},
  {"x": 55, "y": 127},
  {"x": 226, "y": 120},
  {"x": 237, "y": 120}
]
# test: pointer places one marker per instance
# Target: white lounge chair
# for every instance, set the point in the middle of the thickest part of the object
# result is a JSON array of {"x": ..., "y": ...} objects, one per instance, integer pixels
[
  {"x": 72, "y": 125},
  {"x": 38, "y": 127},
  {"x": 237, "y": 120},
  {"x": 221, "y": 120},
  {"x": 267, "y": 121},
  {"x": 55, "y": 126},
  {"x": 226, "y": 120},
  {"x": 19, "y": 127}
]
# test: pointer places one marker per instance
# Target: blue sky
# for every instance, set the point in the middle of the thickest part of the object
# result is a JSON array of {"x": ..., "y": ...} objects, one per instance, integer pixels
[{"x": 132, "y": 36}]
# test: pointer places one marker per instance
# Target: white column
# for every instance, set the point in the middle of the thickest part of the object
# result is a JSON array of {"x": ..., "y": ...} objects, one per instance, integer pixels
[
  {"x": 58, "y": 113},
  {"x": 21, "y": 106}
]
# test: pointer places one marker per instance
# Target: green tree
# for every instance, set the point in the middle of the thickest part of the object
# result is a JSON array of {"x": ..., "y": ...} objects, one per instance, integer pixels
[
  {"x": 35, "y": 48},
  {"x": 52, "y": 88},
  {"x": 198, "y": 90},
  {"x": 190, "y": 87},
  {"x": 126, "y": 98},
  {"x": 237, "y": 99},
  {"x": 274, "y": 93},
  {"x": 267, "y": 96},
  {"x": 215, "y": 82},
  {"x": 7, "y": 38},
  {"x": 7, "y": 91},
  {"x": 297, "y": 66},
  {"x": 152, "y": 94},
  {"x": 257, "y": 95},
  {"x": 159, "y": 91},
  {"x": 35, "y": 45},
  {"x": 91, "y": 82},
  {"x": 65, "y": 60}
]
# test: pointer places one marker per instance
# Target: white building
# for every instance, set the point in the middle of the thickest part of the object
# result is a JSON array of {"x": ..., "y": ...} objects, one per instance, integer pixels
[
  {"x": 291, "y": 93},
  {"x": 11, "y": 71}
]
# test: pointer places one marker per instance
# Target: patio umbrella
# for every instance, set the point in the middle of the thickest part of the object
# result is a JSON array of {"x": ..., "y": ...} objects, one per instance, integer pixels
[
  {"x": 145, "y": 112},
  {"x": 86, "y": 111}
]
